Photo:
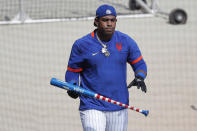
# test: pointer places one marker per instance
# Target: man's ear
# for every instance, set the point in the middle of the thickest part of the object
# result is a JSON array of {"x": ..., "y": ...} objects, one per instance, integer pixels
[{"x": 96, "y": 21}]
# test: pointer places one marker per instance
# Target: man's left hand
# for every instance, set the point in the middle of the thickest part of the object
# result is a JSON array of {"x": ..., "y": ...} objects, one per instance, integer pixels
[{"x": 139, "y": 82}]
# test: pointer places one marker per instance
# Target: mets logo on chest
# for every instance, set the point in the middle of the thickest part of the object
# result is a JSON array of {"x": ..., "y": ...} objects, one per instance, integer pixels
[{"x": 119, "y": 46}]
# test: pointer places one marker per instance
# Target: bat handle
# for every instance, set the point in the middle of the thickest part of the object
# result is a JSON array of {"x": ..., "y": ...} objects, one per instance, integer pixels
[{"x": 145, "y": 112}]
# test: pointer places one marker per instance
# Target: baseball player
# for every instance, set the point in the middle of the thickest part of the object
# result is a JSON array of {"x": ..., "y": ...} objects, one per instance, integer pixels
[{"x": 98, "y": 62}]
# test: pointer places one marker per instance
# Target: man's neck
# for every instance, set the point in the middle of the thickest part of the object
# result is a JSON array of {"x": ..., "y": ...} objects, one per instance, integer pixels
[{"x": 103, "y": 37}]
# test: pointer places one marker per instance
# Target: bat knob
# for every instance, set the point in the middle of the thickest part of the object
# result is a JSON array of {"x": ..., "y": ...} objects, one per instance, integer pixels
[{"x": 145, "y": 112}]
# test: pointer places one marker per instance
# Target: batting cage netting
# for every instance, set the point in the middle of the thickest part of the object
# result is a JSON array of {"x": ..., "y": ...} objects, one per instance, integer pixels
[
  {"x": 46, "y": 10},
  {"x": 36, "y": 37}
]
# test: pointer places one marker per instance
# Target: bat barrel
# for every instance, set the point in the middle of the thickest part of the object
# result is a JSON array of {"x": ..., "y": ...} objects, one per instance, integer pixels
[
  {"x": 57, "y": 83},
  {"x": 69, "y": 86}
]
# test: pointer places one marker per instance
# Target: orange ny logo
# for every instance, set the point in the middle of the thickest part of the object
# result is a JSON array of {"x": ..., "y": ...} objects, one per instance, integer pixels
[{"x": 119, "y": 46}]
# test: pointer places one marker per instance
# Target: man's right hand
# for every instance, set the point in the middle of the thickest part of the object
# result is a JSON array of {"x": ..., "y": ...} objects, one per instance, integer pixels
[{"x": 73, "y": 94}]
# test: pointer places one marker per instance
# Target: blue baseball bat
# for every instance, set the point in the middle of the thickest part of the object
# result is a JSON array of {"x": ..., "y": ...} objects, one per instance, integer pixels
[{"x": 68, "y": 86}]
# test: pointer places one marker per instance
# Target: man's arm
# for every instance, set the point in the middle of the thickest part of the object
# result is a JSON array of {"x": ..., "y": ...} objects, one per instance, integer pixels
[
  {"x": 74, "y": 68},
  {"x": 138, "y": 65}
]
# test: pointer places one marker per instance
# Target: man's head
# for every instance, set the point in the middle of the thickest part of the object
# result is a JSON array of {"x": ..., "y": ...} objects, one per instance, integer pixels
[
  {"x": 104, "y": 10},
  {"x": 105, "y": 20}
]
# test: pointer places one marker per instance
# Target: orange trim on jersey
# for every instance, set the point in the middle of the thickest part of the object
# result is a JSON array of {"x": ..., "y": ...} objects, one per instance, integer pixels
[
  {"x": 74, "y": 70},
  {"x": 142, "y": 72},
  {"x": 92, "y": 34},
  {"x": 135, "y": 61}
]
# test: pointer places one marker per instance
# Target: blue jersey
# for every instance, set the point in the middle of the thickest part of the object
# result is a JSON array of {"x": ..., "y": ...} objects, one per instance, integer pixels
[{"x": 104, "y": 75}]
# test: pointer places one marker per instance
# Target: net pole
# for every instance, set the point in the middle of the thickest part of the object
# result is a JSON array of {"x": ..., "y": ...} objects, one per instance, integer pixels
[
  {"x": 21, "y": 17},
  {"x": 145, "y": 6}
]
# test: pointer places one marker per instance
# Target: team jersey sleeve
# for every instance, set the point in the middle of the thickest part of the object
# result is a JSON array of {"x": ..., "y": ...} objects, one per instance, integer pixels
[
  {"x": 135, "y": 59},
  {"x": 74, "y": 65}
]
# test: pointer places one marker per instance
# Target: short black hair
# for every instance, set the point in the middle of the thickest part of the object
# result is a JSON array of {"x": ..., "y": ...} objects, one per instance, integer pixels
[{"x": 96, "y": 19}]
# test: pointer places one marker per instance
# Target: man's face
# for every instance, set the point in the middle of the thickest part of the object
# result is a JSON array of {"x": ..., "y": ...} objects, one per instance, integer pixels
[{"x": 107, "y": 24}]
